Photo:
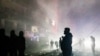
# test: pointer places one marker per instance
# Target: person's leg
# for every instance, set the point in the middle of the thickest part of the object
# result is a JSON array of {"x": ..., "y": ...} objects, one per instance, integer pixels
[
  {"x": 11, "y": 53},
  {"x": 15, "y": 52},
  {"x": 21, "y": 53}
]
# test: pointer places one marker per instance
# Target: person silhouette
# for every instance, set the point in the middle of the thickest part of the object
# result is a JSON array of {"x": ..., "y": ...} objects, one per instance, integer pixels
[
  {"x": 51, "y": 43},
  {"x": 66, "y": 42},
  {"x": 93, "y": 44},
  {"x": 21, "y": 43},
  {"x": 4, "y": 43},
  {"x": 57, "y": 44},
  {"x": 13, "y": 43}
]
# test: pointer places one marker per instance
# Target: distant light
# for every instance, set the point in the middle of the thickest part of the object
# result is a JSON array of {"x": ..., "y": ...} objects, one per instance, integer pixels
[
  {"x": 53, "y": 22},
  {"x": 88, "y": 43},
  {"x": 34, "y": 29}
]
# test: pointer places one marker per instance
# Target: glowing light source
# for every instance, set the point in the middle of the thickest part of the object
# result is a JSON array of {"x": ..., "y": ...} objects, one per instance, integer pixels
[
  {"x": 88, "y": 43},
  {"x": 53, "y": 22},
  {"x": 34, "y": 29}
]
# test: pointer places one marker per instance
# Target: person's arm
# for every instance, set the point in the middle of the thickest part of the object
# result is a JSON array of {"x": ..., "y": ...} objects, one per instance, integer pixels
[{"x": 61, "y": 41}]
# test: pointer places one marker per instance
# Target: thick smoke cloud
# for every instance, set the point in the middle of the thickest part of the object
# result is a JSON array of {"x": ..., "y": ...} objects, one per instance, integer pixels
[
  {"x": 83, "y": 14},
  {"x": 77, "y": 14},
  {"x": 84, "y": 8}
]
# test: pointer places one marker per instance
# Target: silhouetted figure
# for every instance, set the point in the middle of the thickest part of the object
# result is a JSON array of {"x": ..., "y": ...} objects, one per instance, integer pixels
[
  {"x": 13, "y": 43},
  {"x": 81, "y": 43},
  {"x": 4, "y": 43},
  {"x": 21, "y": 44},
  {"x": 93, "y": 45},
  {"x": 66, "y": 42},
  {"x": 51, "y": 43},
  {"x": 57, "y": 44}
]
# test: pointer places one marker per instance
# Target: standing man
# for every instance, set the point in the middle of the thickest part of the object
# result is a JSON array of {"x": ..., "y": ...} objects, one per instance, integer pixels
[
  {"x": 21, "y": 44},
  {"x": 57, "y": 44},
  {"x": 4, "y": 43},
  {"x": 93, "y": 44},
  {"x": 52, "y": 43},
  {"x": 66, "y": 43},
  {"x": 13, "y": 43}
]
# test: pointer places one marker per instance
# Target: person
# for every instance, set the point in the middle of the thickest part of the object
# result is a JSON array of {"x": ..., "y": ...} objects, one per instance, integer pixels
[
  {"x": 57, "y": 44},
  {"x": 21, "y": 43},
  {"x": 81, "y": 43},
  {"x": 51, "y": 43},
  {"x": 93, "y": 45},
  {"x": 13, "y": 43},
  {"x": 66, "y": 42},
  {"x": 4, "y": 43}
]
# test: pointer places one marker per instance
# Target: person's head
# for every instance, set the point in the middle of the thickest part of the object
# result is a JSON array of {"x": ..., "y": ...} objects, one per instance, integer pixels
[
  {"x": 2, "y": 31},
  {"x": 92, "y": 37},
  {"x": 12, "y": 32},
  {"x": 67, "y": 30},
  {"x": 21, "y": 33}
]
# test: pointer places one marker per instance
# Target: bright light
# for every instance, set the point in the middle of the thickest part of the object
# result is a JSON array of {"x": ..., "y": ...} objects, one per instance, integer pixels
[
  {"x": 53, "y": 22},
  {"x": 34, "y": 29},
  {"x": 88, "y": 43}
]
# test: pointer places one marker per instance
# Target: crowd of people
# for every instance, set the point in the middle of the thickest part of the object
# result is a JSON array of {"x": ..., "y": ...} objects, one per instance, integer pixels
[{"x": 12, "y": 45}]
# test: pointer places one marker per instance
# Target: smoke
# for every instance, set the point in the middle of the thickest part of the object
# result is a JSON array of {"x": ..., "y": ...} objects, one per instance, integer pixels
[{"x": 80, "y": 15}]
